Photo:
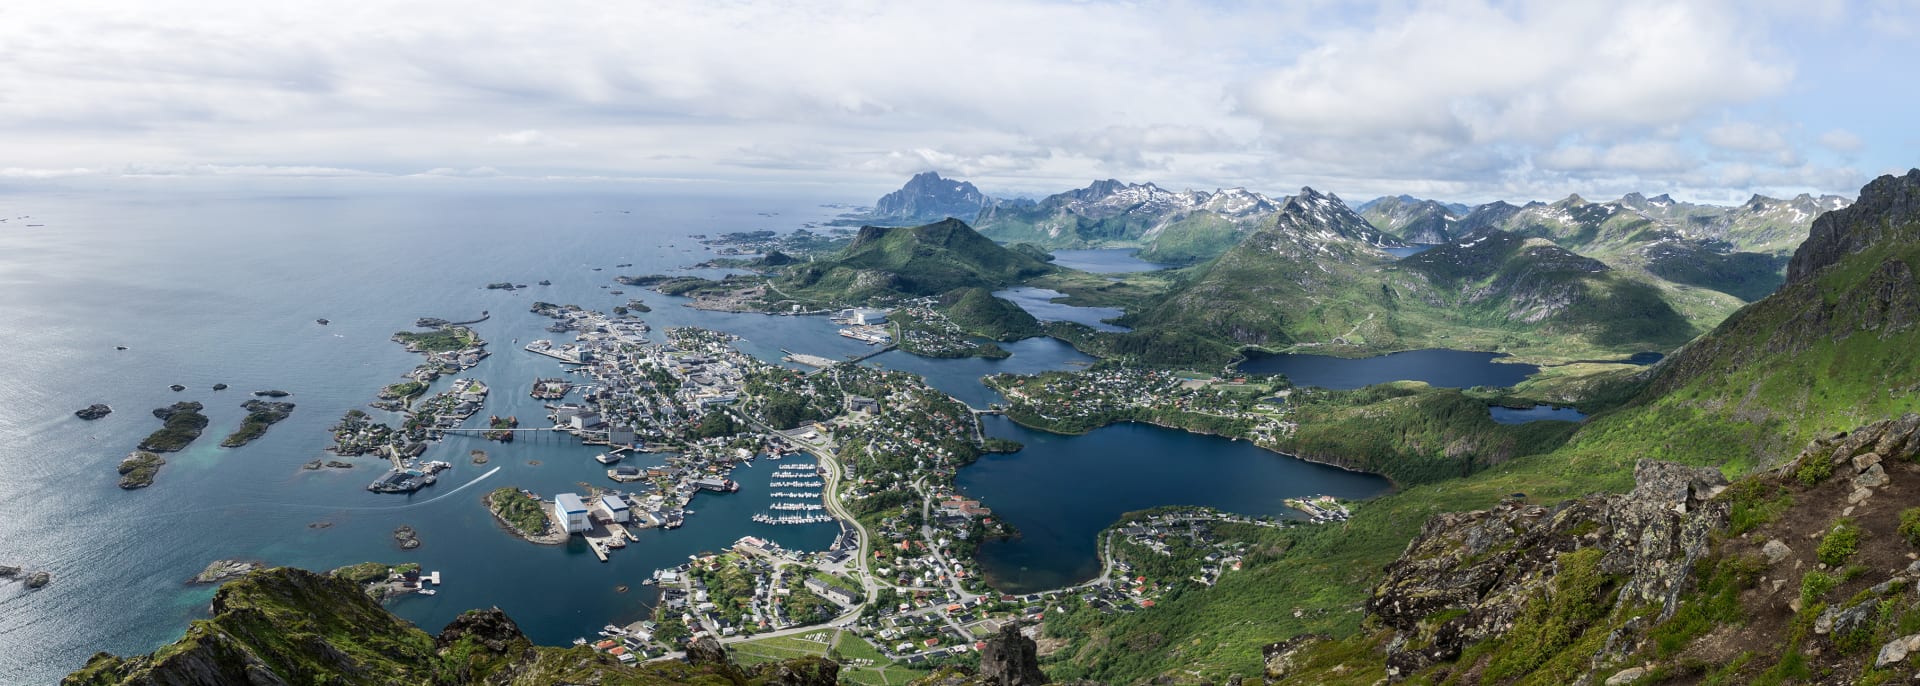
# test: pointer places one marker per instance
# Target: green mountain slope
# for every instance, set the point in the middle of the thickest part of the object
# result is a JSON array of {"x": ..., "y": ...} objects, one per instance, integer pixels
[
  {"x": 1507, "y": 596},
  {"x": 915, "y": 261},
  {"x": 291, "y": 626},
  {"x": 1313, "y": 276}
]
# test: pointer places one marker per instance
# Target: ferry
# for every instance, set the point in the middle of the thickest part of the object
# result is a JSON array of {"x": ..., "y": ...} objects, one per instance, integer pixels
[{"x": 607, "y": 458}]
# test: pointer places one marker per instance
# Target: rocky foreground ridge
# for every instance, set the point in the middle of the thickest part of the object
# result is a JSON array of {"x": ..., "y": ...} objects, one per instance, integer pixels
[
  {"x": 285, "y": 626},
  {"x": 1802, "y": 574}
]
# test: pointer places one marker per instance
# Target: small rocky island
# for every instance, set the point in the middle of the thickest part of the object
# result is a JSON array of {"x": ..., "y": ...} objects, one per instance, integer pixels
[
  {"x": 34, "y": 579},
  {"x": 219, "y": 571},
  {"x": 260, "y": 415},
  {"x": 177, "y": 388},
  {"x": 138, "y": 469},
  {"x": 184, "y": 423},
  {"x": 525, "y": 516},
  {"x": 92, "y": 412},
  {"x": 272, "y": 394},
  {"x": 406, "y": 537},
  {"x": 219, "y": 387}
]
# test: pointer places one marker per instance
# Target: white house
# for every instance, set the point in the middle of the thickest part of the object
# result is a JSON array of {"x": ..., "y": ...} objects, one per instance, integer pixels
[
  {"x": 586, "y": 420},
  {"x": 616, "y": 508},
  {"x": 572, "y": 511}
]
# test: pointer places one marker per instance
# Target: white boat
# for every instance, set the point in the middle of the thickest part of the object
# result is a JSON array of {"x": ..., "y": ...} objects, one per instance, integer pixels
[
  {"x": 607, "y": 458},
  {"x": 427, "y": 591}
]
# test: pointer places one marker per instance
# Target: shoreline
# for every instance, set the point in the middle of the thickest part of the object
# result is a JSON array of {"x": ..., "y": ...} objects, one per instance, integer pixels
[{"x": 556, "y": 536}]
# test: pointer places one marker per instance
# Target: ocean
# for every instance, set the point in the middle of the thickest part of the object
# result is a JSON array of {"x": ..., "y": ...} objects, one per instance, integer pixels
[{"x": 204, "y": 287}]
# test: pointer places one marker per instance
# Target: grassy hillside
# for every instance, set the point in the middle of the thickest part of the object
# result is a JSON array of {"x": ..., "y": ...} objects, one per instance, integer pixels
[
  {"x": 1828, "y": 353},
  {"x": 920, "y": 260}
]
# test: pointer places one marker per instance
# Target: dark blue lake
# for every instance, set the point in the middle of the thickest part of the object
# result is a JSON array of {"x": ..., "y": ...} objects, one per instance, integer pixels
[
  {"x": 1537, "y": 413},
  {"x": 1060, "y": 491},
  {"x": 1438, "y": 367},
  {"x": 1105, "y": 261},
  {"x": 1039, "y": 302}
]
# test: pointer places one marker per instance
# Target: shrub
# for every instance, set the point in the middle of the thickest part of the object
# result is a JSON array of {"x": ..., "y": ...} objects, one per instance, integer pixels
[
  {"x": 1910, "y": 525},
  {"x": 1840, "y": 543},
  {"x": 1814, "y": 470},
  {"x": 1815, "y": 586}
]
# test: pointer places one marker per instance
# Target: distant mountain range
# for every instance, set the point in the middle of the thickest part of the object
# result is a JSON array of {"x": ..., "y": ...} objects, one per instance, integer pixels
[{"x": 1740, "y": 250}]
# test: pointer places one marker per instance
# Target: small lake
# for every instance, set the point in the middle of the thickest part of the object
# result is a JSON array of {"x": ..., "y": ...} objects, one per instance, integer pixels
[
  {"x": 1039, "y": 302},
  {"x": 1437, "y": 366},
  {"x": 1537, "y": 413},
  {"x": 1410, "y": 250},
  {"x": 1106, "y": 261},
  {"x": 1060, "y": 491}
]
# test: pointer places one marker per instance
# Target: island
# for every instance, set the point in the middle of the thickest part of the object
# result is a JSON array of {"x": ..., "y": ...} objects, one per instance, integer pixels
[
  {"x": 177, "y": 388},
  {"x": 183, "y": 424},
  {"x": 34, "y": 580},
  {"x": 92, "y": 412},
  {"x": 272, "y": 394},
  {"x": 139, "y": 468},
  {"x": 524, "y": 515},
  {"x": 219, "y": 387},
  {"x": 221, "y": 571},
  {"x": 260, "y": 415},
  {"x": 406, "y": 537}
]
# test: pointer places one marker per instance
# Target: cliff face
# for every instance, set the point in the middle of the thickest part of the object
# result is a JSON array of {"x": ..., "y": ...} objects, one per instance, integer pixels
[{"x": 1884, "y": 214}]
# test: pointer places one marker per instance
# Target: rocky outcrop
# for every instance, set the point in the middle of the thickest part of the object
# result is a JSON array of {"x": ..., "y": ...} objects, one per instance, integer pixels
[
  {"x": 221, "y": 571},
  {"x": 92, "y": 412},
  {"x": 1011, "y": 659},
  {"x": 1470, "y": 575},
  {"x": 1884, "y": 214},
  {"x": 707, "y": 650}
]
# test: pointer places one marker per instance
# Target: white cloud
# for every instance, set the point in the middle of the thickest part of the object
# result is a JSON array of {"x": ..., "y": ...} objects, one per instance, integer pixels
[
  {"x": 1468, "y": 71},
  {"x": 527, "y": 138},
  {"x": 1747, "y": 137},
  {"x": 1641, "y": 156},
  {"x": 1473, "y": 98},
  {"x": 1841, "y": 141}
]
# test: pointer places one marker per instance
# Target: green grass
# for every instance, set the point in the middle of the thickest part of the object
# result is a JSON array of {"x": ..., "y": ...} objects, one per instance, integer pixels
[
  {"x": 1840, "y": 543},
  {"x": 526, "y": 515}
]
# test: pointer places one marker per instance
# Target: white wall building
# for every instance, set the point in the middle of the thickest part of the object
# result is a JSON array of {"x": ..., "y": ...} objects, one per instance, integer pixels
[
  {"x": 572, "y": 512},
  {"x": 616, "y": 508}
]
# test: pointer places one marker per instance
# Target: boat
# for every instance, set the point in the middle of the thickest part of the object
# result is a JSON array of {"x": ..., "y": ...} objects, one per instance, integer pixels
[
  {"x": 607, "y": 458},
  {"x": 426, "y": 591}
]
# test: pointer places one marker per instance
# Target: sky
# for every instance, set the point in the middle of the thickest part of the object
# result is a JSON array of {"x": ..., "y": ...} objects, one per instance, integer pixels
[{"x": 1461, "y": 100}]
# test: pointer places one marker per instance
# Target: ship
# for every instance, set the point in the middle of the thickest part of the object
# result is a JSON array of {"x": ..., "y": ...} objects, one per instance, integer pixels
[{"x": 607, "y": 458}]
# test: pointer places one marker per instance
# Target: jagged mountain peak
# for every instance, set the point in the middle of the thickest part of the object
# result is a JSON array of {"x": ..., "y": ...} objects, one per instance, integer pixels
[
  {"x": 928, "y": 196},
  {"x": 1887, "y": 212}
]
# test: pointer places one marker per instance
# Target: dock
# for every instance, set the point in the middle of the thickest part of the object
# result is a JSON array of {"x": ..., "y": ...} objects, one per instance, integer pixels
[{"x": 815, "y": 361}]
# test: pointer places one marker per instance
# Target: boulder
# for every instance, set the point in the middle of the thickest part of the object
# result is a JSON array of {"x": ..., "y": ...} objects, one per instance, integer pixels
[
  {"x": 1626, "y": 676},
  {"x": 1775, "y": 551},
  {"x": 1896, "y": 650},
  {"x": 707, "y": 651},
  {"x": 1874, "y": 476}
]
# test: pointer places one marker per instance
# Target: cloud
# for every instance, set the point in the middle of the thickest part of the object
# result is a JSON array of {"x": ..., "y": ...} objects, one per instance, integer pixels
[
  {"x": 1639, "y": 157},
  {"x": 1747, "y": 137},
  {"x": 528, "y": 138},
  {"x": 1841, "y": 141},
  {"x": 1469, "y": 71},
  {"x": 1475, "y": 98}
]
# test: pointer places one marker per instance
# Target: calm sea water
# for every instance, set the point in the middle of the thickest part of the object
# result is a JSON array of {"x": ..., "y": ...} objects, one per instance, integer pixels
[
  {"x": 205, "y": 288},
  {"x": 1060, "y": 491},
  {"x": 1106, "y": 260},
  {"x": 1039, "y": 302},
  {"x": 1439, "y": 367},
  {"x": 1537, "y": 413}
]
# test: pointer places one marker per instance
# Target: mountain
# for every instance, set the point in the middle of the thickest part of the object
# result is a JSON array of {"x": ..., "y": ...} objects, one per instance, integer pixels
[
  {"x": 914, "y": 261},
  {"x": 1739, "y": 250},
  {"x": 1313, "y": 275},
  {"x": 926, "y": 198},
  {"x": 1168, "y": 226},
  {"x": 1791, "y": 573},
  {"x": 1306, "y": 273},
  {"x": 1411, "y": 219},
  {"x": 291, "y": 626}
]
